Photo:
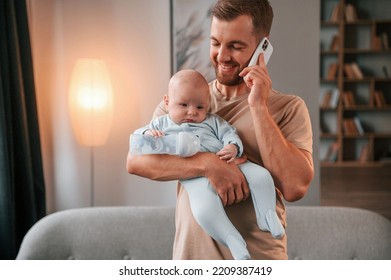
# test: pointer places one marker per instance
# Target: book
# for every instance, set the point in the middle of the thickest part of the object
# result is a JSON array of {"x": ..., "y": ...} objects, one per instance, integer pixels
[
  {"x": 332, "y": 152},
  {"x": 358, "y": 125},
  {"x": 353, "y": 71},
  {"x": 384, "y": 40},
  {"x": 329, "y": 99},
  {"x": 332, "y": 72},
  {"x": 357, "y": 71},
  {"x": 364, "y": 153},
  {"x": 325, "y": 99},
  {"x": 348, "y": 128},
  {"x": 335, "y": 14},
  {"x": 348, "y": 99},
  {"x": 334, "y": 43},
  {"x": 376, "y": 43},
  {"x": 385, "y": 71},
  {"x": 348, "y": 71},
  {"x": 353, "y": 126},
  {"x": 334, "y": 98},
  {"x": 380, "y": 42},
  {"x": 350, "y": 13},
  {"x": 379, "y": 99}
]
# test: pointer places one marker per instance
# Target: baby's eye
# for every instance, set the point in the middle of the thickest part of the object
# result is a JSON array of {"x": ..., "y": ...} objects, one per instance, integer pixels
[
  {"x": 200, "y": 107},
  {"x": 183, "y": 104}
]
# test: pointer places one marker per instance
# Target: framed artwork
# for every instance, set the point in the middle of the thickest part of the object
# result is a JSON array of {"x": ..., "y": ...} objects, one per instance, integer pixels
[{"x": 190, "y": 29}]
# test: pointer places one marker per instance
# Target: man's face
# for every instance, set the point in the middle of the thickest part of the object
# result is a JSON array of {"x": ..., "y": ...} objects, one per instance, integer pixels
[{"x": 231, "y": 45}]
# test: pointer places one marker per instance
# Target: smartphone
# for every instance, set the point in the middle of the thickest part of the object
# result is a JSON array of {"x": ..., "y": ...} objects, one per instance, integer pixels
[{"x": 263, "y": 47}]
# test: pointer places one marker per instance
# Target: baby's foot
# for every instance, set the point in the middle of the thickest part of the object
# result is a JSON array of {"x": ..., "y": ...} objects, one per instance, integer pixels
[
  {"x": 271, "y": 223},
  {"x": 238, "y": 248}
]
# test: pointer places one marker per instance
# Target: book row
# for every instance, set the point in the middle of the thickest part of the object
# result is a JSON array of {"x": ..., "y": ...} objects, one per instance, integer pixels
[
  {"x": 349, "y": 13},
  {"x": 329, "y": 99}
]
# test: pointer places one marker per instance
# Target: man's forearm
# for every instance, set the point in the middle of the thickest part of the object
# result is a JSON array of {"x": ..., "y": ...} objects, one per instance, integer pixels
[
  {"x": 165, "y": 167},
  {"x": 227, "y": 179},
  {"x": 291, "y": 168}
]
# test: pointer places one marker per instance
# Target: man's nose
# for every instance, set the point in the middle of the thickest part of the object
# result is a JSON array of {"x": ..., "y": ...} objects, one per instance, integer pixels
[{"x": 223, "y": 54}]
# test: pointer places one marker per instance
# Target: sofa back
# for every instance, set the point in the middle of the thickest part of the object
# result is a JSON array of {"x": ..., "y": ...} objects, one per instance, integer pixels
[{"x": 148, "y": 232}]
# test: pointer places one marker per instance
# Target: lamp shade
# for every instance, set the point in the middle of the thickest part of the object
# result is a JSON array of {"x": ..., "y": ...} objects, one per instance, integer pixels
[{"x": 90, "y": 102}]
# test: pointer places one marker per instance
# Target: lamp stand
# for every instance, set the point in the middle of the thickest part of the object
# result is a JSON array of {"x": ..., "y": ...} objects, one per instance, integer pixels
[{"x": 92, "y": 196}]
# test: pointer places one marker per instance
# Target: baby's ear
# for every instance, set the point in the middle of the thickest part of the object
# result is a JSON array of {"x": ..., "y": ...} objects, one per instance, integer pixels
[{"x": 165, "y": 99}]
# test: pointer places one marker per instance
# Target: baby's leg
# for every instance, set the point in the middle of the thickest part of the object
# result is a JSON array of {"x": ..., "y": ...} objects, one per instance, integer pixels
[
  {"x": 209, "y": 213},
  {"x": 263, "y": 193}
]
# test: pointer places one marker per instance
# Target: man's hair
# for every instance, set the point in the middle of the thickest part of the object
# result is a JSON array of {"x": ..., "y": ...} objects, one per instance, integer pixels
[{"x": 260, "y": 12}]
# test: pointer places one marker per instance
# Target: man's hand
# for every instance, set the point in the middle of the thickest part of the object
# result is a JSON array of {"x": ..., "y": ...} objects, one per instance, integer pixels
[
  {"x": 258, "y": 80},
  {"x": 227, "y": 179}
]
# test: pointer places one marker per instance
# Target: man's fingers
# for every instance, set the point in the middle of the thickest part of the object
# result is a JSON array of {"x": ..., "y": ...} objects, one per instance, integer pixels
[
  {"x": 240, "y": 160},
  {"x": 239, "y": 195},
  {"x": 230, "y": 197},
  {"x": 246, "y": 190},
  {"x": 228, "y": 181},
  {"x": 223, "y": 197}
]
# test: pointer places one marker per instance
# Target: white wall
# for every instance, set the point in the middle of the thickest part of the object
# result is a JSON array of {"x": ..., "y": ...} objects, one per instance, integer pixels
[{"x": 133, "y": 37}]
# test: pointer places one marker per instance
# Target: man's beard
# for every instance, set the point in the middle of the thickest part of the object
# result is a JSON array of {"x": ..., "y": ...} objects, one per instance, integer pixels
[{"x": 232, "y": 80}]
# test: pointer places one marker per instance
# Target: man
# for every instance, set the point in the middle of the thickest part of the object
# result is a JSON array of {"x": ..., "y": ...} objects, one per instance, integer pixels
[{"x": 275, "y": 129}]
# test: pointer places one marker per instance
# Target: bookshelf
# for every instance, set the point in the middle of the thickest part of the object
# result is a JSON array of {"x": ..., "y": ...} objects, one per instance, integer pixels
[{"x": 355, "y": 83}]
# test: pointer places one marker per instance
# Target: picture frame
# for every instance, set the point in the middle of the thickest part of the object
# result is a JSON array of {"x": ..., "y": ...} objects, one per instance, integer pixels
[{"x": 190, "y": 32}]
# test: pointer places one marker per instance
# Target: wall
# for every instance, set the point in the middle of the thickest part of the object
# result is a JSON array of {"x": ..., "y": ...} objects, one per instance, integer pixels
[
  {"x": 294, "y": 67},
  {"x": 133, "y": 37}
]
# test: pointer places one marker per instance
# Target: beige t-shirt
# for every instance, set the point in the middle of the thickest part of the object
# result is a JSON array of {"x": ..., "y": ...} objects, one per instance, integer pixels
[{"x": 191, "y": 242}]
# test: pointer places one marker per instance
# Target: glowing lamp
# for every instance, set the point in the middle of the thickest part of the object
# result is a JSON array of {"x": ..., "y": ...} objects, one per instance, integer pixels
[{"x": 90, "y": 102}]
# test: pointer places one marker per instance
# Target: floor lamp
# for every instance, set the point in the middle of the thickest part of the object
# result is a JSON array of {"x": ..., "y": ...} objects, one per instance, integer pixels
[{"x": 91, "y": 107}]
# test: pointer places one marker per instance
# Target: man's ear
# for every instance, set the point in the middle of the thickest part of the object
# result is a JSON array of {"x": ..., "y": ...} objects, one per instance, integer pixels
[{"x": 165, "y": 99}]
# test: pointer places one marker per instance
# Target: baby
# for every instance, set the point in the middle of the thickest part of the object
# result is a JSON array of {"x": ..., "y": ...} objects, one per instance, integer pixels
[{"x": 187, "y": 104}]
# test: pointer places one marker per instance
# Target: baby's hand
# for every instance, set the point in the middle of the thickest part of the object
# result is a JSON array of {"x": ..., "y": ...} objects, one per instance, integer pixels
[
  {"x": 228, "y": 153},
  {"x": 154, "y": 133}
]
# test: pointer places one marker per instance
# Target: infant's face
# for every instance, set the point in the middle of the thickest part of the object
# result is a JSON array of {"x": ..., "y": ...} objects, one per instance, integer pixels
[{"x": 188, "y": 104}]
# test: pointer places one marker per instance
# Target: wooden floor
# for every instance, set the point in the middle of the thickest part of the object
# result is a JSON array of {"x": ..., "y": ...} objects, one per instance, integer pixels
[{"x": 362, "y": 187}]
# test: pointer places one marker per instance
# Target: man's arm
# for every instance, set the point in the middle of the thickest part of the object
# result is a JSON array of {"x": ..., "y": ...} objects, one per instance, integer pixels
[
  {"x": 291, "y": 167},
  {"x": 226, "y": 178}
]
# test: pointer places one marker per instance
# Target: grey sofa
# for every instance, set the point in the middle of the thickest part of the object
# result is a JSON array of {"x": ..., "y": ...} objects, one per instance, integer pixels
[{"x": 147, "y": 233}]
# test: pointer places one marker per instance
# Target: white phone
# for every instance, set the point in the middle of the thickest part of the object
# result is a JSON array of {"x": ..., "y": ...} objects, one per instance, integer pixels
[{"x": 263, "y": 47}]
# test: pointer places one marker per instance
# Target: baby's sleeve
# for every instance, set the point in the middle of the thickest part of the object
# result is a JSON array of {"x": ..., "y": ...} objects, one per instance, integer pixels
[{"x": 227, "y": 134}]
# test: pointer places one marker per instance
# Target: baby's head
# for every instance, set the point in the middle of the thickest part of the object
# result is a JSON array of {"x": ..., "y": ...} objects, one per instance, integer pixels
[{"x": 188, "y": 97}]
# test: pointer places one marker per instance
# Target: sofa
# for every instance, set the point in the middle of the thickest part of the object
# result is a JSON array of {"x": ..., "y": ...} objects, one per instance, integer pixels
[{"x": 145, "y": 233}]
